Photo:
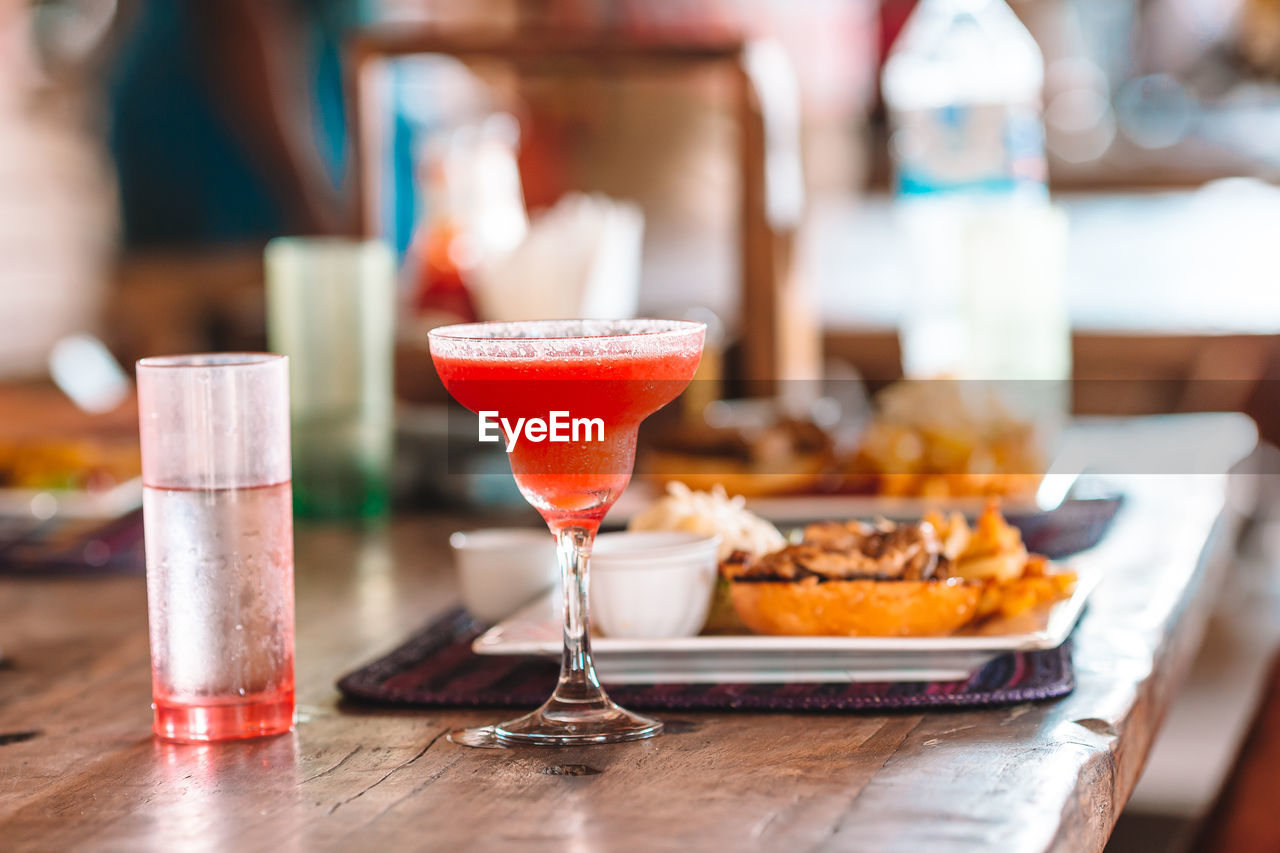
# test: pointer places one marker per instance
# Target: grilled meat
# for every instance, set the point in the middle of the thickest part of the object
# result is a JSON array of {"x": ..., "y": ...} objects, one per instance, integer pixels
[{"x": 849, "y": 551}]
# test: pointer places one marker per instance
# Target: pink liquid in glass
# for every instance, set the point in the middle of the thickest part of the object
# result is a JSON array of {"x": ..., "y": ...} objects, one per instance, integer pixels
[
  {"x": 220, "y": 591},
  {"x": 573, "y": 483}
]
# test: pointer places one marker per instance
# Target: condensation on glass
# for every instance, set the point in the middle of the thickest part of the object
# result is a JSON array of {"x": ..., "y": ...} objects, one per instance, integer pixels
[{"x": 219, "y": 543}]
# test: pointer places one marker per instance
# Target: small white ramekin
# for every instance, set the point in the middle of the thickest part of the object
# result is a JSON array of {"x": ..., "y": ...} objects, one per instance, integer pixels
[
  {"x": 502, "y": 569},
  {"x": 652, "y": 584}
]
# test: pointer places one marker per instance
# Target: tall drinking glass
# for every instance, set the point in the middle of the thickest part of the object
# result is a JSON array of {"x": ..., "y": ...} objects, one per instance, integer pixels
[
  {"x": 331, "y": 308},
  {"x": 219, "y": 543},
  {"x": 578, "y": 390}
]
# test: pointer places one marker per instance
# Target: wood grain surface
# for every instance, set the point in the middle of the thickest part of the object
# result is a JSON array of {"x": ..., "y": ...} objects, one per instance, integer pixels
[{"x": 79, "y": 769}]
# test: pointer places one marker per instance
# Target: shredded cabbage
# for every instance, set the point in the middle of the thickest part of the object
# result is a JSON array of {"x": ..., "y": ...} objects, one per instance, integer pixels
[{"x": 712, "y": 512}]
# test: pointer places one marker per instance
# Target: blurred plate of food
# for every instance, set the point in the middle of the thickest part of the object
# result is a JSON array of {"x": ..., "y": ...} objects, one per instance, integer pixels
[
  {"x": 841, "y": 601},
  {"x": 92, "y": 478},
  {"x": 946, "y": 444}
]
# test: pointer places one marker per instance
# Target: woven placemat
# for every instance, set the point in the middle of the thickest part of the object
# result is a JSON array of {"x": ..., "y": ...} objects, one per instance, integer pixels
[
  {"x": 72, "y": 546},
  {"x": 436, "y": 667}
]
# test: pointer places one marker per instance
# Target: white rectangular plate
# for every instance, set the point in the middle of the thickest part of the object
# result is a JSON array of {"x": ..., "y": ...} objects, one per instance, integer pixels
[{"x": 757, "y": 659}]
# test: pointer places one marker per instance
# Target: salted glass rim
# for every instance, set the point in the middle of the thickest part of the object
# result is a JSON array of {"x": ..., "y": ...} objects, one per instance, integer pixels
[
  {"x": 210, "y": 359},
  {"x": 659, "y": 328}
]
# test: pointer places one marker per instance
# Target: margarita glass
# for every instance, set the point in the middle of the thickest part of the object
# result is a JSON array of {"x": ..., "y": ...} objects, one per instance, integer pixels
[{"x": 596, "y": 379}]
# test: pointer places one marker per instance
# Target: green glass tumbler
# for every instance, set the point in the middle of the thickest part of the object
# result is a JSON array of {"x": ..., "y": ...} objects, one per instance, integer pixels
[{"x": 331, "y": 309}]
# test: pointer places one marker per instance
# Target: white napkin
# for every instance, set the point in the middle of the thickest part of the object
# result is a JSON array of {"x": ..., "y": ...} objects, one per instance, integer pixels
[{"x": 579, "y": 259}]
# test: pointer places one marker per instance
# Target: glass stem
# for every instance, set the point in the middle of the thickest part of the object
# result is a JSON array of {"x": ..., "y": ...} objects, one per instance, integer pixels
[{"x": 578, "y": 683}]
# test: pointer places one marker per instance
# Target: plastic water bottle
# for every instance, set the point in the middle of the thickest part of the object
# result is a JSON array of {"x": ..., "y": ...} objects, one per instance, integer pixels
[{"x": 963, "y": 85}]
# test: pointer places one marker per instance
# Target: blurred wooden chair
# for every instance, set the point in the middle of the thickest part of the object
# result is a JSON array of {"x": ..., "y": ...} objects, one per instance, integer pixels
[
  {"x": 778, "y": 327},
  {"x": 1129, "y": 373},
  {"x": 1246, "y": 816},
  {"x": 1137, "y": 373}
]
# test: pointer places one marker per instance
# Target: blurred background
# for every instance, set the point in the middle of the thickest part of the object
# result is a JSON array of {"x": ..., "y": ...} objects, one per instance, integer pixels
[
  {"x": 755, "y": 164},
  {"x": 151, "y": 149}
]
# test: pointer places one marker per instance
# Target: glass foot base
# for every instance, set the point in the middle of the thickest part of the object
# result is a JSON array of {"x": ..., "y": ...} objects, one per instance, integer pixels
[
  {"x": 214, "y": 721},
  {"x": 560, "y": 726}
]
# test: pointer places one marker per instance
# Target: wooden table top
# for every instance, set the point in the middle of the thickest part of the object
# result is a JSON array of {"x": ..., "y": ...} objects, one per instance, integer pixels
[{"x": 80, "y": 770}]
